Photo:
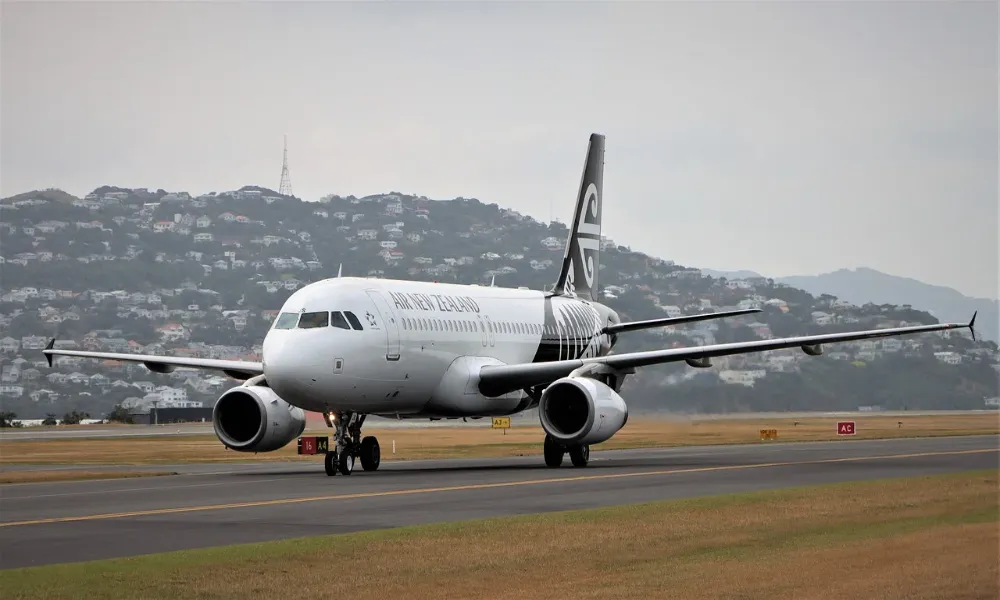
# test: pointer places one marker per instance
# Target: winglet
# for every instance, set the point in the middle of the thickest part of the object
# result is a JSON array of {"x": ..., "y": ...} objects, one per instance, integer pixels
[
  {"x": 49, "y": 346},
  {"x": 972, "y": 325},
  {"x": 340, "y": 269}
]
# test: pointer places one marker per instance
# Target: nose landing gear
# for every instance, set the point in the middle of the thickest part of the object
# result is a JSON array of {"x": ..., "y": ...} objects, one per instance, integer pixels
[{"x": 349, "y": 445}]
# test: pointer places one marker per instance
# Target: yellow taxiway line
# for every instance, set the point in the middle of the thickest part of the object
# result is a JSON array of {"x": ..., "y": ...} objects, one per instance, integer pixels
[{"x": 477, "y": 486}]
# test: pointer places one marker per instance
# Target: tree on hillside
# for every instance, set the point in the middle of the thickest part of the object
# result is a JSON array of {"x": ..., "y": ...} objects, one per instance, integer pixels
[{"x": 119, "y": 414}]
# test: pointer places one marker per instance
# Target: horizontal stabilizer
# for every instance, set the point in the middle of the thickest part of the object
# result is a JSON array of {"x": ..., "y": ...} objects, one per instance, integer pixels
[{"x": 668, "y": 321}]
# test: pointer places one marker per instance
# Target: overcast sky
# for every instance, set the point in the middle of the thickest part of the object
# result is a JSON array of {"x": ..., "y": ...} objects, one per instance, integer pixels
[{"x": 786, "y": 138}]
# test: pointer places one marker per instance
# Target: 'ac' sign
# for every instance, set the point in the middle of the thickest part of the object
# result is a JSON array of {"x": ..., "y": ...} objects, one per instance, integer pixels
[{"x": 845, "y": 428}]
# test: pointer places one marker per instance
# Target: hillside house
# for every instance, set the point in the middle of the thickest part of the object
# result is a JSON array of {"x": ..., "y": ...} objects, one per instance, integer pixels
[
  {"x": 172, "y": 332},
  {"x": 553, "y": 243},
  {"x": 949, "y": 358},
  {"x": 821, "y": 318},
  {"x": 746, "y": 378},
  {"x": 9, "y": 344},
  {"x": 671, "y": 310}
]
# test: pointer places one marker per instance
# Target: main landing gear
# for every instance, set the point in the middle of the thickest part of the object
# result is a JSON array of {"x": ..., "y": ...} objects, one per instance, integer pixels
[
  {"x": 350, "y": 445},
  {"x": 554, "y": 451}
]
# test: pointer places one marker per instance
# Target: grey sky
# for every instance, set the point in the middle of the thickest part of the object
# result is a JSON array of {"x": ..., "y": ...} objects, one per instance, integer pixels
[{"x": 787, "y": 138}]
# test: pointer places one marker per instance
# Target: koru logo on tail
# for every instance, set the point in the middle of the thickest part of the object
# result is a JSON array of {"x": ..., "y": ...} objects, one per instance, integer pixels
[{"x": 587, "y": 240}]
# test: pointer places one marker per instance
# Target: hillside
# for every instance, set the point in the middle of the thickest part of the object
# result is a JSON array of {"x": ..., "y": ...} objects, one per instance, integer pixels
[
  {"x": 144, "y": 271},
  {"x": 863, "y": 285}
]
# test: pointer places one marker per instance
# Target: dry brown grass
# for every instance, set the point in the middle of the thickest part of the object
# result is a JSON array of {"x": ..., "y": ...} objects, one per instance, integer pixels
[
  {"x": 478, "y": 442},
  {"x": 27, "y": 476},
  {"x": 927, "y": 537}
]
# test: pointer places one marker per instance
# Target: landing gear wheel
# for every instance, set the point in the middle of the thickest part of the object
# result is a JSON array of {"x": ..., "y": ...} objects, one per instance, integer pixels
[
  {"x": 580, "y": 455},
  {"x": 371, "y": 454},
  {"x": 553, "y": 452},
  {"x": 346, "y": 462},
  {"x": 330, "y": 463}
]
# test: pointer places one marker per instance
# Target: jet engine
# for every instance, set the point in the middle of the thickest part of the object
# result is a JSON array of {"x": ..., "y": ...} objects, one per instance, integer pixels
[
  {"x": 580, "y": 410},
  {"x": 252, "y": 418}
]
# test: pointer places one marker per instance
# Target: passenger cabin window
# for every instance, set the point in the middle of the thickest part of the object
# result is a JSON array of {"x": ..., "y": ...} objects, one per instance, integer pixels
[
  {"x": 286, "y": 320},
  {"x": 355, "y": 323},
  {"x": 337, "y": 320},
  {"x": 314, "y": 319}
]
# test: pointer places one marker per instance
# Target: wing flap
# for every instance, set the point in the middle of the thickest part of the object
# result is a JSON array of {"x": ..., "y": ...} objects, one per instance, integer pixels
[
  {"x": 500, "y": 379},
  {"x": 236, "y": 369}
]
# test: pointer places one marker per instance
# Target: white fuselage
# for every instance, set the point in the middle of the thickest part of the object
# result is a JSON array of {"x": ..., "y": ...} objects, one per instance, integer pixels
[{"x": 420, "y": 345}]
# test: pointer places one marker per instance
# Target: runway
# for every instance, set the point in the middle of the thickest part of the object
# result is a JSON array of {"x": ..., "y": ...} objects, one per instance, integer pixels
[
  {"x": 527, "y": 418},
  {"x": 211, "y": 505}
]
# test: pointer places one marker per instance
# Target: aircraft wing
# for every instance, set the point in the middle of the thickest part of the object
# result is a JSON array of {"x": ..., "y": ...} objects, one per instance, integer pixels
[
  {"x": 668, "y": 321},
  {"x": 501, "y": 379},
  {"x": 237, "y": 369}
]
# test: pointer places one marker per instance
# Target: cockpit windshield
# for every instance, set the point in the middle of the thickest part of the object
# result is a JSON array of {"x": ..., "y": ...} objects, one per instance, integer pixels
[
  {"x": 314, "y": 319},
  {"x": 286, "y": 320},
  {"x": 311, "y": 320},
  {"x": 338, "y": 320},
  {"x": 355, "y": 323}
]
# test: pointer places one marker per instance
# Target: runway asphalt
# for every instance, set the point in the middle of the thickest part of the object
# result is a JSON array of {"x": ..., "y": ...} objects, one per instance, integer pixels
[
  {"x": 211, "y": 505},
  {"x": 528, "y": 417}
]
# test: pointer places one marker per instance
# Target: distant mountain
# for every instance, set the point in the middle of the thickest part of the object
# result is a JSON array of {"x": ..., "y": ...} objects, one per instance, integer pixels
[
  {"x": 744, "y": 274},
  {"x": 862, "y": 285}
]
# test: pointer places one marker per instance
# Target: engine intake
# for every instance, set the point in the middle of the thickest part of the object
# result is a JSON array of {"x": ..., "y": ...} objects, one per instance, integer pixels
[
  {"x": 254, "y": 419},
  {"x": 580, "y": 410}
]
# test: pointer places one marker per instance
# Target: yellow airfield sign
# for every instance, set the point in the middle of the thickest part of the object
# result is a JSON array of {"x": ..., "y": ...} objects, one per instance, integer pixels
[
  {"x": 768, "y": 434},
  {"x": 501, "y": 422}
]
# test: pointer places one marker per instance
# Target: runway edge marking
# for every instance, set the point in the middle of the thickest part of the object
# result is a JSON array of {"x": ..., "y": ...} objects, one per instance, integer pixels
[{"x": 478, "y": 486}]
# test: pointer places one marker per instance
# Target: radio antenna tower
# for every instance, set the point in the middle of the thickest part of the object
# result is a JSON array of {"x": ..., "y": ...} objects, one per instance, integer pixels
[{"x": 285, "y": 188}]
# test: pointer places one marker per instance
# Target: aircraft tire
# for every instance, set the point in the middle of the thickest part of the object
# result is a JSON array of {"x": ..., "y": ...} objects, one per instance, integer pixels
[
  {"x": 330, "y": 463},
  {"x": 554, "y": 452},
  {"x": 371, "y": 453},
  {"x": 346, "y": 463},
  {"x": 580, "y": 455}
]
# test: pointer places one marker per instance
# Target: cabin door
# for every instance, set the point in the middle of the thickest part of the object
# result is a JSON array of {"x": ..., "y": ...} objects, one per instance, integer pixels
[{"x": 387, "y": 320}]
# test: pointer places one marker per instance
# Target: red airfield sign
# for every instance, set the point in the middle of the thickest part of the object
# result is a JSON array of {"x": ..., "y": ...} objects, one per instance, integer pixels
[{"x": 845, "y": 428}]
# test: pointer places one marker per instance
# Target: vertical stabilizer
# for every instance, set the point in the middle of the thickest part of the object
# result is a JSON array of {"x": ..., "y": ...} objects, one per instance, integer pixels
[{"x": 581, "y": 259}]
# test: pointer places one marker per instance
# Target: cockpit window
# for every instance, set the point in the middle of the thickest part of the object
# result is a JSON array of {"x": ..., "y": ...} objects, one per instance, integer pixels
[
  {"x": 355, "y": 323},
  {"x": 314, "y": 319},
  {"x": 337, "y": 320},
  {"x": 286, "y": 320}
]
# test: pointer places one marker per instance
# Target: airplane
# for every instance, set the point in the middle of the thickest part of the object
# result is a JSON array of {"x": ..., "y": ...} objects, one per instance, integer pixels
[{"x": 350, "y": 347}]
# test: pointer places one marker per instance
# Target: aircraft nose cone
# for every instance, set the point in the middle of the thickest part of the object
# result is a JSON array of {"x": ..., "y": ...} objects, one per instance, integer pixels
[{"x": 289, "y": 367}]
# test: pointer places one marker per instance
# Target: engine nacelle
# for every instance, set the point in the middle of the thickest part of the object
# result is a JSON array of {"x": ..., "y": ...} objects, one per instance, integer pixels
[
  {"x": 580, "y": 410},
  {"x": 252, "y": 418}
]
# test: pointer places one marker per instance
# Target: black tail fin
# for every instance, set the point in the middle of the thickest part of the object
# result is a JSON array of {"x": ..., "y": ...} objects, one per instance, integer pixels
[{"x": 581, "y": 260}]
